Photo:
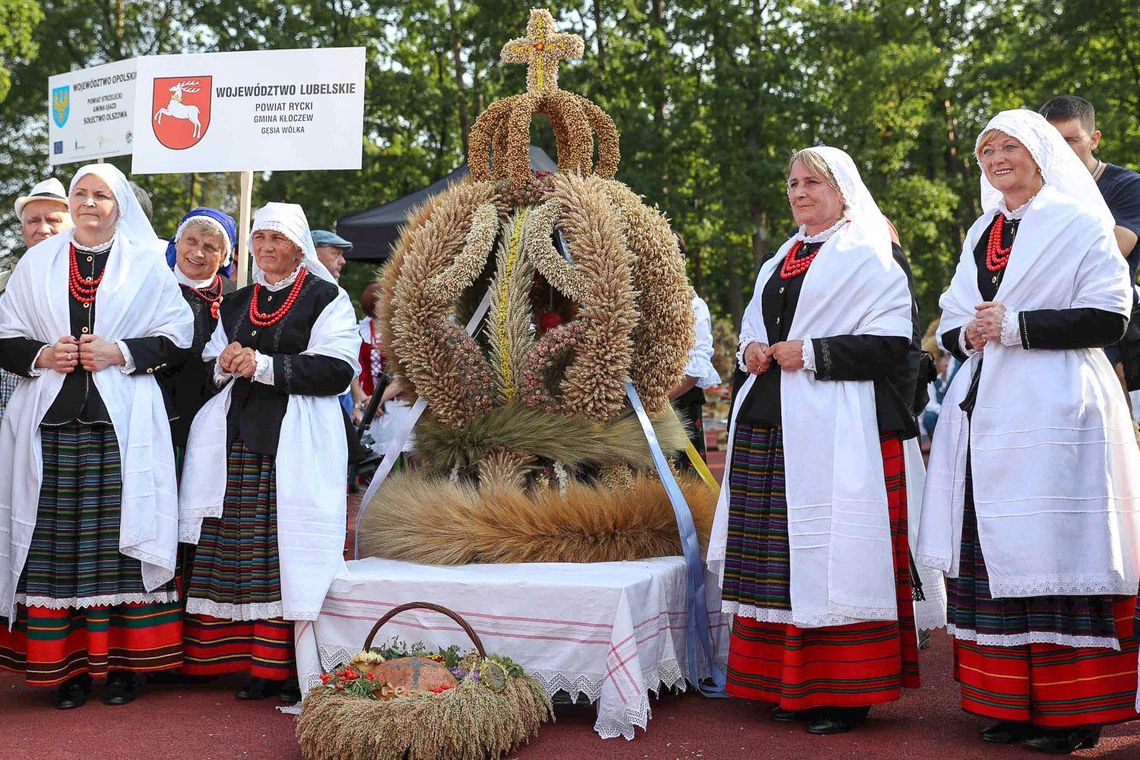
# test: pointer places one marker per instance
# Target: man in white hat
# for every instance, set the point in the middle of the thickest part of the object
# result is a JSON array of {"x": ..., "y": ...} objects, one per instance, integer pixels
[{"x": 42, "y": 213}]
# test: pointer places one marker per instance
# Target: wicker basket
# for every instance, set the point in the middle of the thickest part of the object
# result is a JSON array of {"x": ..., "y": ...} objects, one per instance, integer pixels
[{"x": 475, "y": 720}]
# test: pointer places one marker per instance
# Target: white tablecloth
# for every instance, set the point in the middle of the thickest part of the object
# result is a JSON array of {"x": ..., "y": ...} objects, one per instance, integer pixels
[{"x": 611, "y": 631}]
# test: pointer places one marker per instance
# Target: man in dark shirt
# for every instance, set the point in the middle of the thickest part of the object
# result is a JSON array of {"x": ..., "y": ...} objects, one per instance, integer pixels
[{"x": 1075, "y": 118}]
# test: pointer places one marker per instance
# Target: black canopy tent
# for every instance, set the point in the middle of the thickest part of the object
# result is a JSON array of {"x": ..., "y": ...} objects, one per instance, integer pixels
[{"x": 373, "y": 233}]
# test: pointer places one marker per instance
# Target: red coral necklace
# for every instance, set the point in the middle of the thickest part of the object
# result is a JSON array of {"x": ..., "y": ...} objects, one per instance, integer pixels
[
  {"x": 997, "y": 258},
  {"x": 211, "y": 294},
  {"x": 793, "y": 267},
  {"x": 265, "y": 320},
  {"x": 82, "y": 288}
]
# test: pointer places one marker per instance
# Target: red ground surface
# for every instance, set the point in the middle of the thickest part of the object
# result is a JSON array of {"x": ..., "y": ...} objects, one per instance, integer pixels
[{"x": 205, "y": 722}]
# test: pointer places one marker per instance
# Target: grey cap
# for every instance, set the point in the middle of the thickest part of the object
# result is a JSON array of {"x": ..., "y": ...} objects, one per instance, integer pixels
[{"x": 324, "y": 237}]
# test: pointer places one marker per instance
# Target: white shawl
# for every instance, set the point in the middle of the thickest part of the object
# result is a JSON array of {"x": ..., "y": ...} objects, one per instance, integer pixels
[
  {"x": 838, "y": 524},
  {"x": 1056, "y": 471},
  {"x": 311, "y": 461},
  {"x": 137, "y": 298}
]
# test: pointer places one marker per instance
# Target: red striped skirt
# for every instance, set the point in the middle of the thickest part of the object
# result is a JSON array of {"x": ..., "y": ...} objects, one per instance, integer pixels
[
  {"x": 50, "y": 646},
  {"x": 261, "y": 648},
  {"x": 1051, "y": 685},
  {"x": 841, "y": 666},
  {"x": 1048, "y": 685}
]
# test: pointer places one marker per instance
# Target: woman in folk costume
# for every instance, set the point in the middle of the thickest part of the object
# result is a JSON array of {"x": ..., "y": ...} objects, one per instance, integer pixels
[
  {"x": 810, "y": 533},
  {"x": 202, "y": 244},
  {"x": 270, "y": 536},
  {"x": 88, "y": 498},
  {"x": 391, "y": 415},
  {"x": 1031, "y": 496}
]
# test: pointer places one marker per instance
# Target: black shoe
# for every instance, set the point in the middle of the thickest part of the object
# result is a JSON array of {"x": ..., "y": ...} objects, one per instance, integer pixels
[
  {"x": 780, "y": 715},
  {"x": 120, "y": 688},
  {"x": 837, "y": 720},
  {"x": 1063, "y": 741},
  {"x": 72, "y": 693},
  {"x": 259, "y": 688},
  {"x": 1007, "y": 732},
  {"x": 290, "y": 692}
]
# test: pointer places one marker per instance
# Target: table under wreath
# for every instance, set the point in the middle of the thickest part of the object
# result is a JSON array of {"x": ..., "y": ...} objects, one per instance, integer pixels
[{"x": 610, "y": 631}]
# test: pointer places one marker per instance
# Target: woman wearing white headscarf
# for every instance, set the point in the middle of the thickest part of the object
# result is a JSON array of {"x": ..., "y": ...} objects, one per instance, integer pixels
[
  {"x": 1031, "y": 497},
  {"x": 810, "y": 533},
  {"x": 88, "y": 500},
  {"x": 271, "y": 536}
]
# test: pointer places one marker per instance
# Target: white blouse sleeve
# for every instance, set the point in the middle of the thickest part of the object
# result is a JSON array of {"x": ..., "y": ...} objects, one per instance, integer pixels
[{"x": 700, "y": 363}]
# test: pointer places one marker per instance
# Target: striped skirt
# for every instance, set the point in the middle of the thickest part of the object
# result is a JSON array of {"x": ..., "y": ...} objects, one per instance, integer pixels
[
  {"x": 82, "y": 605},
  {"x": 1015, "y": 658},
  {"x": 234, "y": 609},
  {"x": 261, "y": 648},
  {"x": 800, "y": 669},
  {"x": 50, "y": 646}
]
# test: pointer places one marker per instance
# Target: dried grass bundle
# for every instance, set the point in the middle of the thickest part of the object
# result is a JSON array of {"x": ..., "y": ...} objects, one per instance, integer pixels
[
  {"x": 469, "y": 722},
  {"x": 663, "y": 298},
  {"x": 438, "y": 522},
  {"x": 594, "y": 382},
  {"x": 437, "y": 258},
  {"x": 574, "y": 442}
]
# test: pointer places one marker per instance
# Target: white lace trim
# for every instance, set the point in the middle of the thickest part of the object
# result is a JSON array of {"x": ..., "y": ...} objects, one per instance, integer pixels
[
  {"x": 101, "y": 248},
  {"x": 258, "y": 611},
  {"x": 259, "y": 278},
  {"x": 1010, "y": 329},
  {"x": 809, "y": 618},
  {"x": 929, "y": 621},
  {"x": 1032, "y": 637},
  {"x": 823, "y": 235},
  {"x": 1017, "y": 213},
  {"x": 106, "y": 600},
  {"x": 761, "y": 614},
  {"x": 1052, "y": 585},
  {"x": 941, "y": 564},
  {"x": 184, "y": 280},
  {"x": 744, "y": 341}
]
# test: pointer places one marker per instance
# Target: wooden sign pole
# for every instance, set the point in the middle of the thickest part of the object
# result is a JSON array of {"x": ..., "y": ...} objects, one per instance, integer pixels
[{"x": 243, "y": 228}]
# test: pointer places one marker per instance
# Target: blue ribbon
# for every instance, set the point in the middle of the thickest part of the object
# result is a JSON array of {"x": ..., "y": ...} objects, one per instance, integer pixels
[{"x": 696, "y": 604}]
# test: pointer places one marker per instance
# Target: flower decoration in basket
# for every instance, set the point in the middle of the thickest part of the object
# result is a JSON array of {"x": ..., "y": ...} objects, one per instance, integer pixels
[{"x": 398, "y": 701}]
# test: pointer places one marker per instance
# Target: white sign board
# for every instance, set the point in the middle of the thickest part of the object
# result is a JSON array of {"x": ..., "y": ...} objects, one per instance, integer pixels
[
  {"x": 262, "y": 110},
  {"x": 91, "y": 112}
]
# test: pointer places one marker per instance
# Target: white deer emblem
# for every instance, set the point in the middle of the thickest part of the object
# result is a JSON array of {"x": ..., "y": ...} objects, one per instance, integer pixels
[{"x": 176, "y": 109}]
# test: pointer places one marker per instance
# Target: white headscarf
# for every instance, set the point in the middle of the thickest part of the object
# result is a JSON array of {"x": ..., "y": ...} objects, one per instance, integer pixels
[
  {"x": 1059, "y": 165},
  {"x": 138, "y": 297},
  {"x": 839, "y": 541},
  {"x": 132, "y": 225},
  {"x": 1062, "y": 517},
  {"x": 310, "y": 492},
  {"x": 288, "y": 219},
  {"x": 860, "y": 209}
]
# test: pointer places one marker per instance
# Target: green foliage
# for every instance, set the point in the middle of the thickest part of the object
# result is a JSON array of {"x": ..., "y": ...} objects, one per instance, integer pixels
[
  {"x": 18, "y": 19},
  {"x": 711, "y": 96}
]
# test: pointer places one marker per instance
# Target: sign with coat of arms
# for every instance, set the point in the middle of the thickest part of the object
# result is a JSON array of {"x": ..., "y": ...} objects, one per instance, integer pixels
[
  {"x": 91, "y": 112},
  {"x": 262, "y": 110},
  {"x": 185, "y": 104}
]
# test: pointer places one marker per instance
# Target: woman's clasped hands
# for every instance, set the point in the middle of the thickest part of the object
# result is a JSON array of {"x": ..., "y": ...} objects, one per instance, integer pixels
[
  {"x": 788, "y": 354},
  {"x": 236, "y": 359}
]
